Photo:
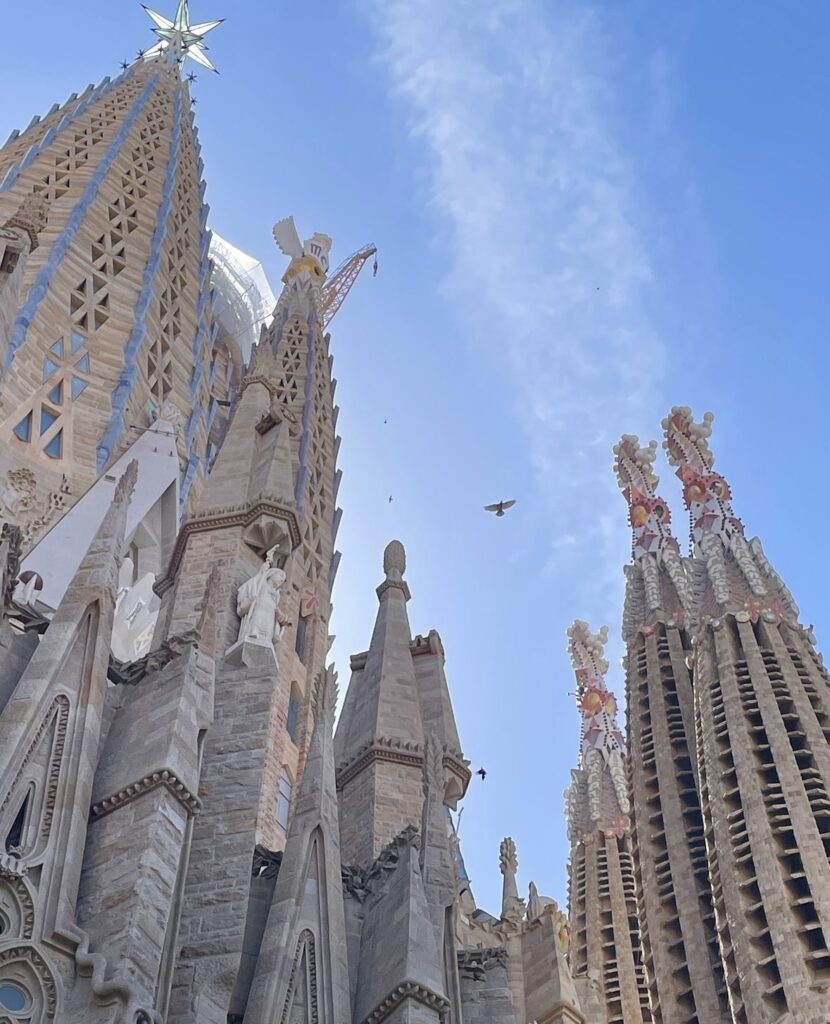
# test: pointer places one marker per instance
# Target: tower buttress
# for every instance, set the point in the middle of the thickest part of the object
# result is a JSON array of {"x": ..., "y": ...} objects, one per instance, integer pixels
[
  {"x": 674, "y": 902},
  {"x": 301, "y": 962},
  {"x": 49, "y": 741},
  {"x": 605, "y": 935},
  {"x": 763, "y": 755}
]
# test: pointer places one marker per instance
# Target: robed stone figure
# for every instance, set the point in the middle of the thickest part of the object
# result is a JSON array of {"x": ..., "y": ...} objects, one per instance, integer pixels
[{"x": 257, "y": 602}]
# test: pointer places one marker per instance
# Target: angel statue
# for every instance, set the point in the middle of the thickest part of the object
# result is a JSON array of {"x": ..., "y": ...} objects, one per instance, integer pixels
[{"x": 257, "y": 602}]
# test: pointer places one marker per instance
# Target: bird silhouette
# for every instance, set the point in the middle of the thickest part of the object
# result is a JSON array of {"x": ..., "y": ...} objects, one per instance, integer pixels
[
  {"x": 390, "y": 499},
  {"x": 500, "y": 507},
  {"x": 482, "y": 772}
]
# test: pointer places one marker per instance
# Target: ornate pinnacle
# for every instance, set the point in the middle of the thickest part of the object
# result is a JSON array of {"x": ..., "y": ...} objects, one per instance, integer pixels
[
  {"x": 716, "y": 532},
  {"x": 706, "y": 494},
  {"x": 508, "y": 860},
  {"x": 648, "y": 514},
  {"x": 604, "y": 803},
  {"x": 686, "y": 441},
  {"x": 596, "y": 703},
  {"x": 325, "y": 694}
]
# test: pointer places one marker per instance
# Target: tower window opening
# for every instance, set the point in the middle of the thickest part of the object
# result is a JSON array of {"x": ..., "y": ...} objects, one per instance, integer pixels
[
  {"x": 284, "y": 800},
  {"x": 14, "y": 839},
  {"x": 292, "y": 718},
  {"x": 300, "y": 638}
]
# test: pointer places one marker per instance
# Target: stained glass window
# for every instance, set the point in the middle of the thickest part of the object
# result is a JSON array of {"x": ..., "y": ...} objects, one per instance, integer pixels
[{"x": 12, "y": 997}]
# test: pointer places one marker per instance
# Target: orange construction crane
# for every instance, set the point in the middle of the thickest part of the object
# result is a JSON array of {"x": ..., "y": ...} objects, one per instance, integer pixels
[{"x": 339, "y": 284}]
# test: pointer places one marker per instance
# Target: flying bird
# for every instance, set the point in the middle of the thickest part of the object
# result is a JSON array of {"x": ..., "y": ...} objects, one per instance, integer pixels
[
  {"x": 390, "y": 499},
  {"x": 500, "y": 507},
  {"x": 482, "y": 772}
]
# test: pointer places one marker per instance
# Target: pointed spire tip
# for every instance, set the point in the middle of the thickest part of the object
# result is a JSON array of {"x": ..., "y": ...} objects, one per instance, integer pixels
[{"x": 394, "y": 559}]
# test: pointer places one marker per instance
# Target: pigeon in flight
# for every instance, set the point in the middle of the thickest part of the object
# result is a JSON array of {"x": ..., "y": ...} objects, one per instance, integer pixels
[
  {"x": 500, "y": 507},
  {"x": 483, "y": 773}
]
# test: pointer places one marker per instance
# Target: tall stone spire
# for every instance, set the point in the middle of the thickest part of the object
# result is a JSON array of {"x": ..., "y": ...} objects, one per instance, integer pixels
[
  {"x": 380, "y": 737},
  {"x": 271, "y": 492},
  {"x": 606, "y": 941},
  {"x": 112, "y": 314},
  {"x": 397, "y": 694},
  {"x": 764, "y": 759},
  {"x": 674, "y": 902}
]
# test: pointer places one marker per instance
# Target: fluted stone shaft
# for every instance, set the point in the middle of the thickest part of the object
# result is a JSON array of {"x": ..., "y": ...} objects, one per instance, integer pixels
[
  {"x": 764, "y": 726},
  {"x": 675, "y": 908}
]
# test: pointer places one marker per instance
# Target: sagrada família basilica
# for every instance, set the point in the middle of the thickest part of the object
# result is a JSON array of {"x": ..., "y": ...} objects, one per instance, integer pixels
[{"x": 185, "y": 836}]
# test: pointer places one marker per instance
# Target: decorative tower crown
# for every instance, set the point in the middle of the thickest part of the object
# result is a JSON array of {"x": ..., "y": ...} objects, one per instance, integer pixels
[
  {"x": 309, "y": 260},
  {"x": 717, "y": 535},
  {"x": 597, "y": 705},
  {"x": 598, "y": 797},
  {"x": 648, "y": 513},
  {"x": 654, "y": 550},
  {"x": 179, "y": 39},
  {"x": 706, "y": 494}
]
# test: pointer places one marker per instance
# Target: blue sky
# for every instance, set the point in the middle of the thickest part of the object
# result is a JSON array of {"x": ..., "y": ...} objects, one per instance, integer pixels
[{"x": 586, "y": 213}]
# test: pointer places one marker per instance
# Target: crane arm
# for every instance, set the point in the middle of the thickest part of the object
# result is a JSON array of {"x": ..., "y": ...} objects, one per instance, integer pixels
[{"x": 337, "y": 287}]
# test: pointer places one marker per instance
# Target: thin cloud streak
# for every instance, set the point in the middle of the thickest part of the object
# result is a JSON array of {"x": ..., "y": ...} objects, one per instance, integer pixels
[{"x": 536, "y": 204}]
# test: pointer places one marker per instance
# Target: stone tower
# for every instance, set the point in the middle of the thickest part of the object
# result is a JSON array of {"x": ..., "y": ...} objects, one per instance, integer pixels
[
  {"x": 675, "y": 906},
  {"x": 605, "y": 948},
  {"x": 105, "y": 321},
  {"x": 764, "y": 760}
]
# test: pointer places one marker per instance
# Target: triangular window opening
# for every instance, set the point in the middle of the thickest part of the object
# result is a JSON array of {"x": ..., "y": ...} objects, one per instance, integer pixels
[
  {"x": 23, "y": 430},
  {"x": 57, "y": 348},
  {"x": 56, "y": 394},
  {"x": 55, "y": 447},
  {"x": 47, "y": 418},
  {"x": 14, "y": 840},
  {"x": 49, "y": 367}
]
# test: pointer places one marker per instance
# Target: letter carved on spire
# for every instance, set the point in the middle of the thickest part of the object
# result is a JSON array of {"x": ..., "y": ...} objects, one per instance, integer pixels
[
  {"x": 717, "y": 534},
  {"x": 598, "y": 798}
]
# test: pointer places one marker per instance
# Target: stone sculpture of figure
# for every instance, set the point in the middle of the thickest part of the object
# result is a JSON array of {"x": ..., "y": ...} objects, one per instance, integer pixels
[{"x": 257, "y": 602}]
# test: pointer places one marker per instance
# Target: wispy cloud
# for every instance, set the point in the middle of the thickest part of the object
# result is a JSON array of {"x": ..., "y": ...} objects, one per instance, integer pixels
[{"x": 536, "y": 202}]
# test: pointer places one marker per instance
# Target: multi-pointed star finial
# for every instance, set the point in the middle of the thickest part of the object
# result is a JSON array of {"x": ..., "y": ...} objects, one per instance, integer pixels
[{"x": 180, "y": 38}]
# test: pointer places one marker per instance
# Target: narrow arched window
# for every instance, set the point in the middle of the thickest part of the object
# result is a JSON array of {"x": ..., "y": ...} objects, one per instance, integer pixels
[
  {"x": 292, "y": 719},
  {"x": 284, "y": 799},
  {"x": 300, "y": 638}
]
